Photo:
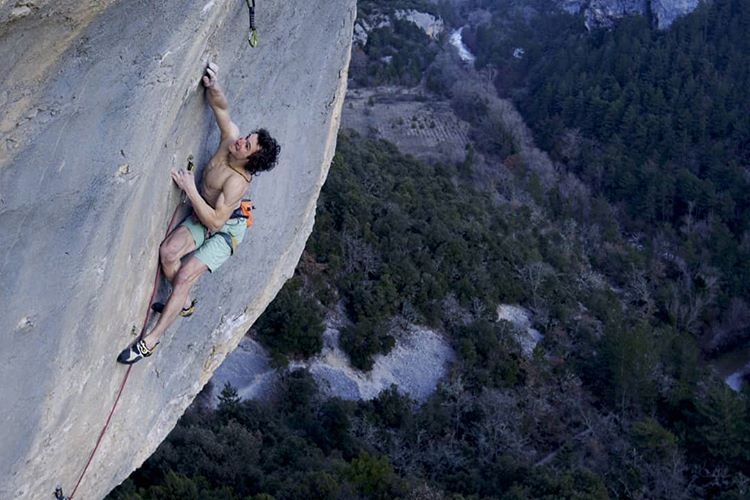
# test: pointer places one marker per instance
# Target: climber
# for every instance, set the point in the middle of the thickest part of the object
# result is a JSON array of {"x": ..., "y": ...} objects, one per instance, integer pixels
[{"x": 216, "y": 224}]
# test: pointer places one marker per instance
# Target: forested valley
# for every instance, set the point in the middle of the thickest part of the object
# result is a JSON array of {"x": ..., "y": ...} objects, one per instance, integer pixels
[{"x": 619, "y": 217}]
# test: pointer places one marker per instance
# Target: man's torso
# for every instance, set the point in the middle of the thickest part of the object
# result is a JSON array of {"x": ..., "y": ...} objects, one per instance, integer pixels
[{"x": 215, "y": 175}]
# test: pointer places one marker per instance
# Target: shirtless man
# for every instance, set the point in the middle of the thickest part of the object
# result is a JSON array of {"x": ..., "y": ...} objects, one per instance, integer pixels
[{"x": 216, "y": 223}]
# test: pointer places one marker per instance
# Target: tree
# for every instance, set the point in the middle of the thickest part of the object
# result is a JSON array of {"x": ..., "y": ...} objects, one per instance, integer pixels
[
  {"x": 373, "y": 477},
  {"x": 724, "y": 427},
  {"x": 292, "y": 325},
  {"x": 229, "y": 401},
  {"x": 630, "y": 357}
]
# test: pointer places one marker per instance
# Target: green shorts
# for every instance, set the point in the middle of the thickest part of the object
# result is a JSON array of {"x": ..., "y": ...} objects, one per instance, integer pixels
[{"x": 214, "y": 249}]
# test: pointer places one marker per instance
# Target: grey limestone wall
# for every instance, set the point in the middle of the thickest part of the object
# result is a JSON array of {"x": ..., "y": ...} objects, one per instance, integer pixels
[
  {"x": 98, "y": 101},
  {"x": 603, "y": 13}
]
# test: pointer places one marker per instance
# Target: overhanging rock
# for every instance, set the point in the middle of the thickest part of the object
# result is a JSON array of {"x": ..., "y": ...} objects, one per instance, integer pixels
[{"x": 98, "y": 101}]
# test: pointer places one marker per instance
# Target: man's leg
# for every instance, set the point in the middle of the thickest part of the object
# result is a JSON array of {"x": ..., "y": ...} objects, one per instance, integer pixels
[
  {"x": 179, "y": 243},
  {"x": 182, "y": 281}
]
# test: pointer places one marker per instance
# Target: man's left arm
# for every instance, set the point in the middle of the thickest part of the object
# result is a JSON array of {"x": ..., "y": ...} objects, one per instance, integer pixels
[{"x": 211, "y": 217}]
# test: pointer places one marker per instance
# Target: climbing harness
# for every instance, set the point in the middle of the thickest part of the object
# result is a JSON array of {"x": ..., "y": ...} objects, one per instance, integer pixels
[
  {"x": 244, "y": 212},
  {"x": 246, "y": 208},
  {"x": 252, "y": 35},
  {"x": 230, "y": 240}
]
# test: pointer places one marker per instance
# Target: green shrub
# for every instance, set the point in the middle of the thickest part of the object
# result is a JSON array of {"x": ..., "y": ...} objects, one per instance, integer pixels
[{"x": 292, "y": 325}]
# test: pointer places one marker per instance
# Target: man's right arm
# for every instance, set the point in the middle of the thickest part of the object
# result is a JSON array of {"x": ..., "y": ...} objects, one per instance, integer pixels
[{"x": 219, "y": 104}]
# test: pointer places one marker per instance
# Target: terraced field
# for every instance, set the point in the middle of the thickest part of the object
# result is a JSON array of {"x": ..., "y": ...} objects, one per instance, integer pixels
[{"x": 417, "y": 123}]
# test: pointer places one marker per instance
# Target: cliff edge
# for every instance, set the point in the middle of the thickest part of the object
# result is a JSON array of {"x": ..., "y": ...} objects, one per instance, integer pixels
[{"x": 98, "y": 101}]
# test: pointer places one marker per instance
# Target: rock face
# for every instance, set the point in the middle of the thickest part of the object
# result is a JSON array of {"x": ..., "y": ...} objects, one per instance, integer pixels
[
  {"x": 666, "y": 11},
  {"x": 431, "y": 25},
  {"x": 99, "y": 99},
  {"x": 603, "y": 13},
  {"x": 526, "y": 336}
]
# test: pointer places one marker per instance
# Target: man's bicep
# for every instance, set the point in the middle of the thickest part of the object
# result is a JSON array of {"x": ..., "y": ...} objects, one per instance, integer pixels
[
  {"x": 223, "y": 210},
  {"x": 230, "y": 197}
]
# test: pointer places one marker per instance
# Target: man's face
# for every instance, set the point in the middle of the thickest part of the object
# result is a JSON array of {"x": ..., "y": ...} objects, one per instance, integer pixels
[{"x": 244, "y": 146}]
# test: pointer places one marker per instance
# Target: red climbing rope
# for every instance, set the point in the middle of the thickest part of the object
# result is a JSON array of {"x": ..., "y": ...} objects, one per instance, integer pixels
[{"x": 127, "y": 373}]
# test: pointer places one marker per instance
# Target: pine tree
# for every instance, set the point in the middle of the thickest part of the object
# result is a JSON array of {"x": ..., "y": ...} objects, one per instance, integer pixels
[
  {"x": 725, "y": 427},
  {"x": 229, "y": 399}
]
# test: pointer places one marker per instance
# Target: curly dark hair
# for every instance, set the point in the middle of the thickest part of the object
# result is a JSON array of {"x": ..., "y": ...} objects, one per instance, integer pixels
[{"x": 265, "y": 159}]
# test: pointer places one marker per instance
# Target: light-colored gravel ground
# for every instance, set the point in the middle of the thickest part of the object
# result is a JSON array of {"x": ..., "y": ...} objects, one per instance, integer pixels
[{"x": 415, "y": 365}]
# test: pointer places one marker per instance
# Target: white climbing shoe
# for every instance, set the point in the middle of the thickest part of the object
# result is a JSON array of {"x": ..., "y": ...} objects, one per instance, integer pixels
[{"x": 134, "y": 353}]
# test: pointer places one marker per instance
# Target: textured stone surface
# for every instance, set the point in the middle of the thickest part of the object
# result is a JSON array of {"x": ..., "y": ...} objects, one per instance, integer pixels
[
  {"x": 603, "y": 13},
  {"x": 666, "y": 11},
  {"x": 98, "y": 101},
  {"x": 431, "y": 25},
  {"x": 526, "y": 336}
]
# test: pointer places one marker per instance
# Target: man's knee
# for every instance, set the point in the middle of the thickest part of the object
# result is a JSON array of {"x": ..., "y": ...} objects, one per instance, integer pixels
[
  {"x": 175, "y": 246},
  {"x": 168, "y": 251},
  {"x": 189, "y": 273}
]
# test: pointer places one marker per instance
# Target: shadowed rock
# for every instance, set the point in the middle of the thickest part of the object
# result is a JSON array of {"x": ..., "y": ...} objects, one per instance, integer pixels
[{"x": 98, "y": 101}]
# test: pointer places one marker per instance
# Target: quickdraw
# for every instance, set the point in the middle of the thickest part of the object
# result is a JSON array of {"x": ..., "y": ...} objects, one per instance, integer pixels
[
  {"x": 252, "y": 36},
  {"x": 190, "y": 167}
]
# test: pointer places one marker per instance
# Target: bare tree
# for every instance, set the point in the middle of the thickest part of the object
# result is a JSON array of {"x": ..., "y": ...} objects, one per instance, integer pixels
[
  {"x": 687, "y": 303},
  {"x": 359, "y": 255},
  {"x": 639, "y": 292},
  {"x": 499, "y": 430},
  {"x": 533, "y": 275}
]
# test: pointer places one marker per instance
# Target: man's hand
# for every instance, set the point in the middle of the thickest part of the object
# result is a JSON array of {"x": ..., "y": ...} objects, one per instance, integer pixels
[
  {"x": 210, "y": 78},
  {"x": 185, "y": 180}
]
